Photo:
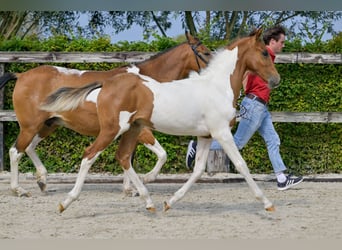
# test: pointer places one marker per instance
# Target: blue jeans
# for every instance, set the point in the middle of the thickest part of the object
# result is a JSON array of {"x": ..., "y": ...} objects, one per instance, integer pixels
[{"x": 256, "y": 117}]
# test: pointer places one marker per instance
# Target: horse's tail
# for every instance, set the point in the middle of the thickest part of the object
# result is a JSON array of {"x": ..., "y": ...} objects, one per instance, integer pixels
[
  {"x": 66, "y": 99},
  {"x": 7, "y": 77}
]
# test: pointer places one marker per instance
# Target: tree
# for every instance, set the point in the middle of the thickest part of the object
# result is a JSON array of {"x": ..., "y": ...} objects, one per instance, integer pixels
[
  {"x": 228, "y": 25},
  {"x": 214, "y": 25},
  {"x": 40, "y": 23}
]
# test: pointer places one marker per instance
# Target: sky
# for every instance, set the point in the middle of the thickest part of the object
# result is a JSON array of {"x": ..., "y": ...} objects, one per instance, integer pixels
[{"x": 135, "y": 33}]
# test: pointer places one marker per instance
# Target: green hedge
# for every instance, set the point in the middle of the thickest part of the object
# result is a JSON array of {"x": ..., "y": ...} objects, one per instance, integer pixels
[{"x": 306, "y": 148}]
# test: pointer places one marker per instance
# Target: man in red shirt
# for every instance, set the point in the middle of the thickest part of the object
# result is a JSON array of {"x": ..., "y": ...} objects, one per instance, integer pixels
[{"x": 256, "y": 117}]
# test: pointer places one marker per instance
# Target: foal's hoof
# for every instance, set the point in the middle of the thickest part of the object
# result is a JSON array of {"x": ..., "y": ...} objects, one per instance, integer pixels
[
  {"x": 61, "y": 208},
  {"x": 270, "y": 209},
  {"x": 42, "y": 186},
  {"x": 20, "y": 192},
  {"x": 166, "y": 206},
  {"x": 131, "y": 193},
  {"x": 151, "y": 209}
]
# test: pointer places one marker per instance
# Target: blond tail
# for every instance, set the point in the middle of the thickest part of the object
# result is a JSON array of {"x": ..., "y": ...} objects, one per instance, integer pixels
[{"x": 66, "y": 99}]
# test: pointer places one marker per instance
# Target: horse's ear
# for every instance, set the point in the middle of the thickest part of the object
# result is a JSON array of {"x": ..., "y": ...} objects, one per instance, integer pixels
[
  {"x": 189, "y": 37},
  {"x": 258, "y": 33}
]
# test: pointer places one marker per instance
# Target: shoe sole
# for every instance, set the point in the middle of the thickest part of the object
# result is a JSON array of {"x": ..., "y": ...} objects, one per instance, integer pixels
[{"x": 290, "y": 186}]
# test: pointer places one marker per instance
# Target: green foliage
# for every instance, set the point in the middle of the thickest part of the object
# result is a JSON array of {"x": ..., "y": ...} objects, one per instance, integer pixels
[{"x": 306, "y": 148}]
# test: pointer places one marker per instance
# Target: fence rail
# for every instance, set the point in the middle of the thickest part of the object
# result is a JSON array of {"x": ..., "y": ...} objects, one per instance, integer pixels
[
  {"x": 134, "y": 57},
  {"x": 306, "y": 117}
]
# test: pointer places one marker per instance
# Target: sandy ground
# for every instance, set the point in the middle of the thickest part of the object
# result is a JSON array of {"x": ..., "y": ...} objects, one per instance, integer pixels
[{"x": 312, "y": 210}]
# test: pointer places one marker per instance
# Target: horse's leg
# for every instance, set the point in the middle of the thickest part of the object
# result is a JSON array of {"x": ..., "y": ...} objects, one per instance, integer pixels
[
  {"x": 230, "y": 148},
  {"x": 203, "y": 145},
  {"x": 41, "y": 173},
  {"x": 123, "y": 155},
  {"x": 90, "y": 155},
  {"x": 16, "y": 152},
  {"x": 15, "y": 157},
  {"x": 146, "y": 137},
  {"x": 162, "y": 156},
  {"x": 40, "y": 168}
]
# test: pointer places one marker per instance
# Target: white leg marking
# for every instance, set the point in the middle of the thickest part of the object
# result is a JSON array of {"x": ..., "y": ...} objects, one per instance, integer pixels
[
  {"x": 15, "y": 157},
  {"x": 76, "y": 191},
  {"x": 41, "y": 170},
  {"x": 141, "y": 188},
  {"x": 203, "y": 146},
  {"x": 227, "y": 143},
  {"x": 162, "y": 156}
]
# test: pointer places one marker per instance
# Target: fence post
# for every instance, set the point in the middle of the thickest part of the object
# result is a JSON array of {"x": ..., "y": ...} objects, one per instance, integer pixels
[{"x": 2, "y": 146}]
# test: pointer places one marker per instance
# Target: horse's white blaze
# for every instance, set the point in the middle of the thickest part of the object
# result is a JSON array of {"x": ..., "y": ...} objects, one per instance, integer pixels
[
  {"x": 92, "y": 96},
  {"x": 70, "y": 71},
  {"x": 179, "y": 113}
]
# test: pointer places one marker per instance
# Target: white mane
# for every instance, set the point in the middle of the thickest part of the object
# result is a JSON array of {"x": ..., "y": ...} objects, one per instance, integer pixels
[{"x": 223, "y": 63}]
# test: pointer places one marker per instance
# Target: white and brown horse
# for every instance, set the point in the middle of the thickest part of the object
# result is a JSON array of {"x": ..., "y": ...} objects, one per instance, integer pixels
[
  {"x": 33, "y": 86},
  {"x": 201, "y": 105}
]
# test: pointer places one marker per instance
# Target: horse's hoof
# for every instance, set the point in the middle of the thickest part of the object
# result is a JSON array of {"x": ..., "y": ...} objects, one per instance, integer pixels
[
  {"x": 270, "y": 209},
  {"x": 131, "y": 193},
  {"x": 61, "y": 208},
  {"x": 21, "y": 193},
  {"x": 42, "y": 186},
  {"x": 151, "y": 209},
  {"x": 166, "y": 206}
]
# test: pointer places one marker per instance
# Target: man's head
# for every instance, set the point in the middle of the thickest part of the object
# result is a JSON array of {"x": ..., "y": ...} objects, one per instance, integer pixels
[{"x": 275, "y": 38}]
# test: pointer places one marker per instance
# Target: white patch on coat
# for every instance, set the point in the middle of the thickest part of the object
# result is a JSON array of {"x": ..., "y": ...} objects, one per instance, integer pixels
[
  {"x": 92, "y": 96},
  {"x": 70, "y": 71},
  {"x": 195, "y": 106},
  {"x": 133, "y": 69},
  {"x": 123, "y": 122}
]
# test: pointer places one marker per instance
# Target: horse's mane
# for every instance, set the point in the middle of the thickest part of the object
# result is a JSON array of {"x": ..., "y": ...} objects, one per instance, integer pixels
[
  {"x": 160, "y": 53},
  {"x": 217, "y": 58},
  {"x": 239, "y": 40}
]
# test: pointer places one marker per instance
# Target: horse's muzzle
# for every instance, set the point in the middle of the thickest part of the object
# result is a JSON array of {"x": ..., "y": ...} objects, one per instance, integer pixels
[{"x": 274, "y": 82}]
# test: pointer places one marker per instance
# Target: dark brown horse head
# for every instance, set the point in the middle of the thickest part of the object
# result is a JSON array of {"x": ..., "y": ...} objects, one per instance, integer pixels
[{"x": 202, "y": 53}]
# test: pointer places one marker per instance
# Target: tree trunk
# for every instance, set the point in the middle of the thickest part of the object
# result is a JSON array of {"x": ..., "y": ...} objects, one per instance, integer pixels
[
  {"x": 190, "y": 23},
  {"x": 11, "y": 23}
]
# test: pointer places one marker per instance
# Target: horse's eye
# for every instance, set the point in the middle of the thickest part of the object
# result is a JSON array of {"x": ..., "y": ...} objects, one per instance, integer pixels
[
  {"x": 207, "y": 53},
  {"x": 265, "y": 53}
]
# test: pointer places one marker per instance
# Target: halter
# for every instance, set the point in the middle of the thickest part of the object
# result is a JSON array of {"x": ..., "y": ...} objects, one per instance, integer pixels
[{"x": 194, "y": 49}]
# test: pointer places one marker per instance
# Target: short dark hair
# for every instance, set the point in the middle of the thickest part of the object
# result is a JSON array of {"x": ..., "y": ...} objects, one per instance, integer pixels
[{"x": 273, "y": 33}]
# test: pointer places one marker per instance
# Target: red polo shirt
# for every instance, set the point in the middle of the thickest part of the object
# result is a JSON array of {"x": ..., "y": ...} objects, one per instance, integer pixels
[{"x": 257, "y": 86}]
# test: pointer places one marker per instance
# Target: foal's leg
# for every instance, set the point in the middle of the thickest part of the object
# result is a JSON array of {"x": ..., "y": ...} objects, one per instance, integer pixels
[
  {"x": 89, "y": 157},
  {"x": 146, "y": 137},
  {"x": 123, "y": 155},
  {"x": 203, "y": 146},
  {"x": 227, "y": 142},
  {"x": 162, "y": 156}
]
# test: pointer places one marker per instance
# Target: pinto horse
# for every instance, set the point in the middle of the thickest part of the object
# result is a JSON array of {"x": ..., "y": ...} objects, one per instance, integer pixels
[
  {"x": 33, "y": 86},
  {"x": 128, "y": 102}
]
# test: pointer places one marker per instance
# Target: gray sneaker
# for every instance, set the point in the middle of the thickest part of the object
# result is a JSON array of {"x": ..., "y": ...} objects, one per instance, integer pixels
[{"x": 290, "y": 182}]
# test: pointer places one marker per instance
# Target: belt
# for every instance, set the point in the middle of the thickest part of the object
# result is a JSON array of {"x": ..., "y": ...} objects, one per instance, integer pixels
[{"x": 254, "y": 97}]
